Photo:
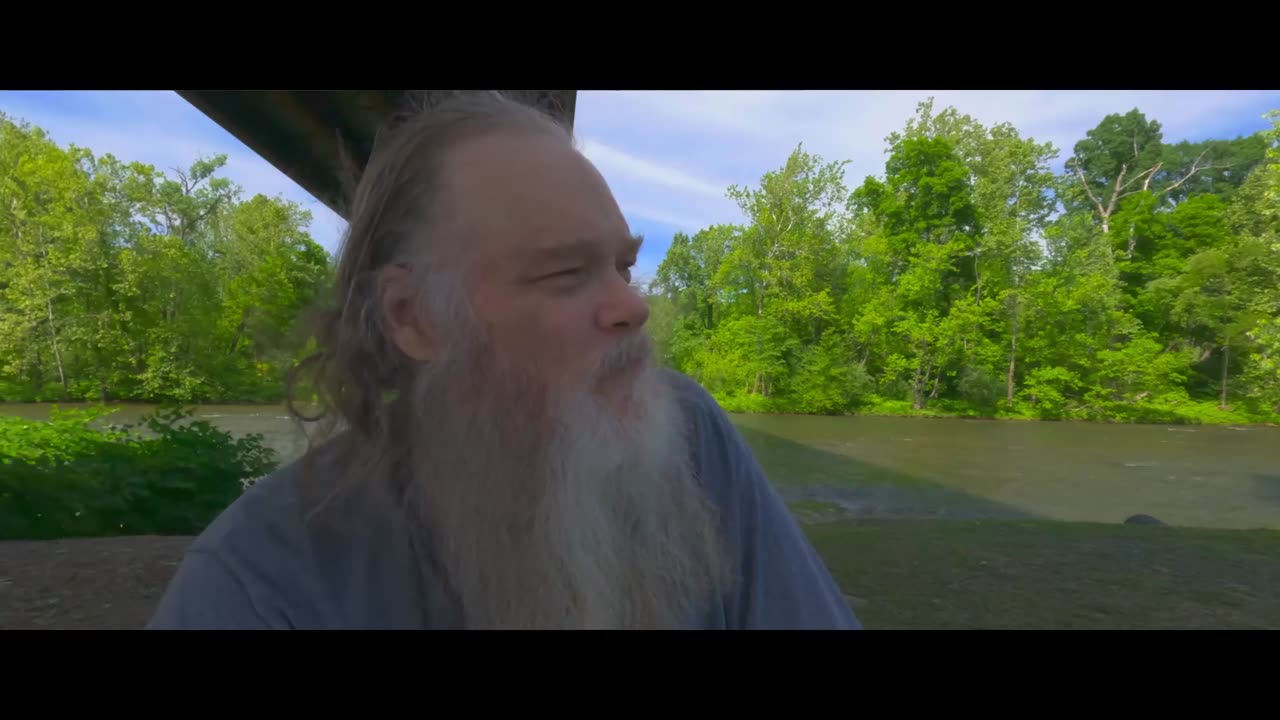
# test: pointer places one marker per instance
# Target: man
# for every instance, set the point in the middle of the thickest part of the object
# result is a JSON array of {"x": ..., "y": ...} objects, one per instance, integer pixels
[{"x": 505, "y": 454}]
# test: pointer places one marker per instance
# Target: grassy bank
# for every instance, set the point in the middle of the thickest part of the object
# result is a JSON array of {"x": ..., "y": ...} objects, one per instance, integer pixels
[
  {"x": 1190, "y": 412},
  {"x": 1043, "y": 574},
  {"x": 954, "y": 530}
]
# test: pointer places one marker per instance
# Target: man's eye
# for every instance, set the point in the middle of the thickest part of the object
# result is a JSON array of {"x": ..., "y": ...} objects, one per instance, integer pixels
[{"x": 566, "y": 273}]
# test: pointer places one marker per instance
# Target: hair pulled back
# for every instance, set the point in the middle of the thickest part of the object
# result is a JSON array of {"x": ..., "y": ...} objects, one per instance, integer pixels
[{"x": 392, "y": 210}]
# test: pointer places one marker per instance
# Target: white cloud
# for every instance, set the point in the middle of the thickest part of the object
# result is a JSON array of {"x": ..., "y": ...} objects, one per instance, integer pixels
[
  {"x": 610, "y": 159},
  {"x": 654, "y": 214},
  {"x": 716, "y": 138}
]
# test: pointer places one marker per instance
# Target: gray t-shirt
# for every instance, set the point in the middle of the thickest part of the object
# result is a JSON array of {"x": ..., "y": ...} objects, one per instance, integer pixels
[{"x": 260, "y": 565}]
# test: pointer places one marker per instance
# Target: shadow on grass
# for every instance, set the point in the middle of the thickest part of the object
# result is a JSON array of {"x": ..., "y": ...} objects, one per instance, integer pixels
[
  {"x": 1049, "y": 574},
  {"x": 911, "y": 553},
  {"x": 831, "y": 485}
]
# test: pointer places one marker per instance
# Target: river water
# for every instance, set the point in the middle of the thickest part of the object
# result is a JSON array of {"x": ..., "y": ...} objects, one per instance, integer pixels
[{"x": 1210, "y": 476}]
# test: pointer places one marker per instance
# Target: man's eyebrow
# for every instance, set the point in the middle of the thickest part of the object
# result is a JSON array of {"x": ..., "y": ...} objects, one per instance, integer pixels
[{"x": 579, "y": 247}]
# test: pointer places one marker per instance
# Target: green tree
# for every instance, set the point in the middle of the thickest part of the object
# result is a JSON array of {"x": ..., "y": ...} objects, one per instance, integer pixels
[
  {"x": 925, "y": 214},
  {"x": 119, "y": 282},
  {"x": 1012, "y": 184}
]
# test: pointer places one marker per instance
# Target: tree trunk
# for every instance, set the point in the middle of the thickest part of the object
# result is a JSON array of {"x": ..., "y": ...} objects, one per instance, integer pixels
[
  {"x": 917, "y": 401},
  {"x": 1226, "y": 362},
  {"x": 38, "y": 377},
  {"x": 1013, "y": 354},
  {"x": 235, "y": 342},
  {"x": 759, "y": 340},
  {"x": 57, "y": 352},
  {"x": 866, "y": 350},
  {"x": 53, "y": 328},
  {"x": 919, "y": 384}
]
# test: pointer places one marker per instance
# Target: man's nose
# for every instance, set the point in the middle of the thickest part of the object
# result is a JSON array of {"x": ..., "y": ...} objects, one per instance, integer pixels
[{"x": 623, "y": 308}]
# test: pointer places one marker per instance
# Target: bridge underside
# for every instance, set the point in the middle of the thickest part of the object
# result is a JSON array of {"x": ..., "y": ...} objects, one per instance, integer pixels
[{"x": 302, "y": 132}]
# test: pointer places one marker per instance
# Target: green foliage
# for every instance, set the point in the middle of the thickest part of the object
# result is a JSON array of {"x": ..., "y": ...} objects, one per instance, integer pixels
[
  {"x": 118, "y": 282},
  {"x": 980, "y": 389},
  {"x": 1118, "y": 148},
  {"x": 948, "y": 286},
  {"x": 71, "y": 477},
  {"x": 1047, "y": 391},
  {"x": 827, "y": 380},
  {"x": 1263, "y": 374},
  {"x": 743, "y": 403},
  {"x": 1140, "y": 284}
]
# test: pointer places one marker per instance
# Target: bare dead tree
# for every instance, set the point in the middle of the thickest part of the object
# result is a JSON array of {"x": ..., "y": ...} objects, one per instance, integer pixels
[{"x": 1121, "y": 188}]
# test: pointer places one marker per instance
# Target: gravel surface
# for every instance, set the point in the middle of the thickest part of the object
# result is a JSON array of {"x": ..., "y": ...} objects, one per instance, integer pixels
[{"x": 85, "y": 583}]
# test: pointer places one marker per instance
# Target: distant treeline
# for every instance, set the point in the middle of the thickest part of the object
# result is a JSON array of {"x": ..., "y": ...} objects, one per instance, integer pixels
[
  {"x": 122, "y": 282},
  {"x": 1141, "y": 284}
]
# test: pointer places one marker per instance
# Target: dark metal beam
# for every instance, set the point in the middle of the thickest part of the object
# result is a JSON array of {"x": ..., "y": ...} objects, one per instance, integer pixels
[{"x": 303, "y": 132}]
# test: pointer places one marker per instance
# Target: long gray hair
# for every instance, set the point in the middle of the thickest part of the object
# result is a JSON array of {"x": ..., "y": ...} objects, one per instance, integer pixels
[
  {"x": 356, "y": 372},
  {"x": 393, "y": 208}
]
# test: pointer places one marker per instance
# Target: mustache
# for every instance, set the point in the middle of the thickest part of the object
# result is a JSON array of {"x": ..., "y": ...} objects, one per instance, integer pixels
[{"x": 631, "y": 353}]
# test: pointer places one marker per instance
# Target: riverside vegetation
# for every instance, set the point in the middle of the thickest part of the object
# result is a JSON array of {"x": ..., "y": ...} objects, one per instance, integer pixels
[{"x": 1140, "y": 284}]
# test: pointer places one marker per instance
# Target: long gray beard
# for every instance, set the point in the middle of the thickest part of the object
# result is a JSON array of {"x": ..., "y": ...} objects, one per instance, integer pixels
[{"x": 559, "y": 514}]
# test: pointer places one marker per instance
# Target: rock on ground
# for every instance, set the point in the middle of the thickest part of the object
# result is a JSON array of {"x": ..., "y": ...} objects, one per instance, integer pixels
[{"x": 1142, "y": 519}]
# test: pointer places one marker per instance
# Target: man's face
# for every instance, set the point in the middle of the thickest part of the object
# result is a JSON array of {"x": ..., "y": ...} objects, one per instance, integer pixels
[
  {"x": 548, "y": 256},
  {"x": 595, "y": 518}
]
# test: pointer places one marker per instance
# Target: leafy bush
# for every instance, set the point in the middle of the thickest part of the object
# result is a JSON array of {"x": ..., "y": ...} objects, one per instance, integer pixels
[
  {"x": 1046, "y": 390},
  {"x": 980, "y": 390},
  {"x": 745, "y": 403},
  {"x": 165, "y": 475}
]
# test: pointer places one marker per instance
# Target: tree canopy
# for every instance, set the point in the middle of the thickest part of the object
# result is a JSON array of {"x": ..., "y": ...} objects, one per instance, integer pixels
[
  {"x": 1142, "y": 282},
  {"x": 119, "y": 281}
]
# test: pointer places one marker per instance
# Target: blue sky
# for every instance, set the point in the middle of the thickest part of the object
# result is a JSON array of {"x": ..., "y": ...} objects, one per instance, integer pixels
[{"x": 668, "y": 155}]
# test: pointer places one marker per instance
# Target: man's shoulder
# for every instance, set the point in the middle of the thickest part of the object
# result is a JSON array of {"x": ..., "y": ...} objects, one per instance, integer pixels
[
  {"x": 261, "y": 538},
  {"x": 694, "y": 399},
  {"x": 249, "y": 568},
  {"x": 267, "y": 512},
  {"x": 274, "y": 509},
  {"x": 292, "y": 551},
  {"x": 786, "y": 583},
  {"x": 720, "y": 453}
]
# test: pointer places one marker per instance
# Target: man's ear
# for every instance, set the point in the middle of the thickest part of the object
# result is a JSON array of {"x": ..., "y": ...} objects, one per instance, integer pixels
[{"x": 401, "y": 316}]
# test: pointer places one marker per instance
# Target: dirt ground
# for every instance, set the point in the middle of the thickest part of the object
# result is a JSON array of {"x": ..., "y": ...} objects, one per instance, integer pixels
[{"x": 85, "y": 584}]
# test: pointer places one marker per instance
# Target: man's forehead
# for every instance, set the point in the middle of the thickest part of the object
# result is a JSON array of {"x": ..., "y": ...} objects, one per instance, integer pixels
[
  {"x": 533, "y": 193},
  {"x": 530, "y": 164}
]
